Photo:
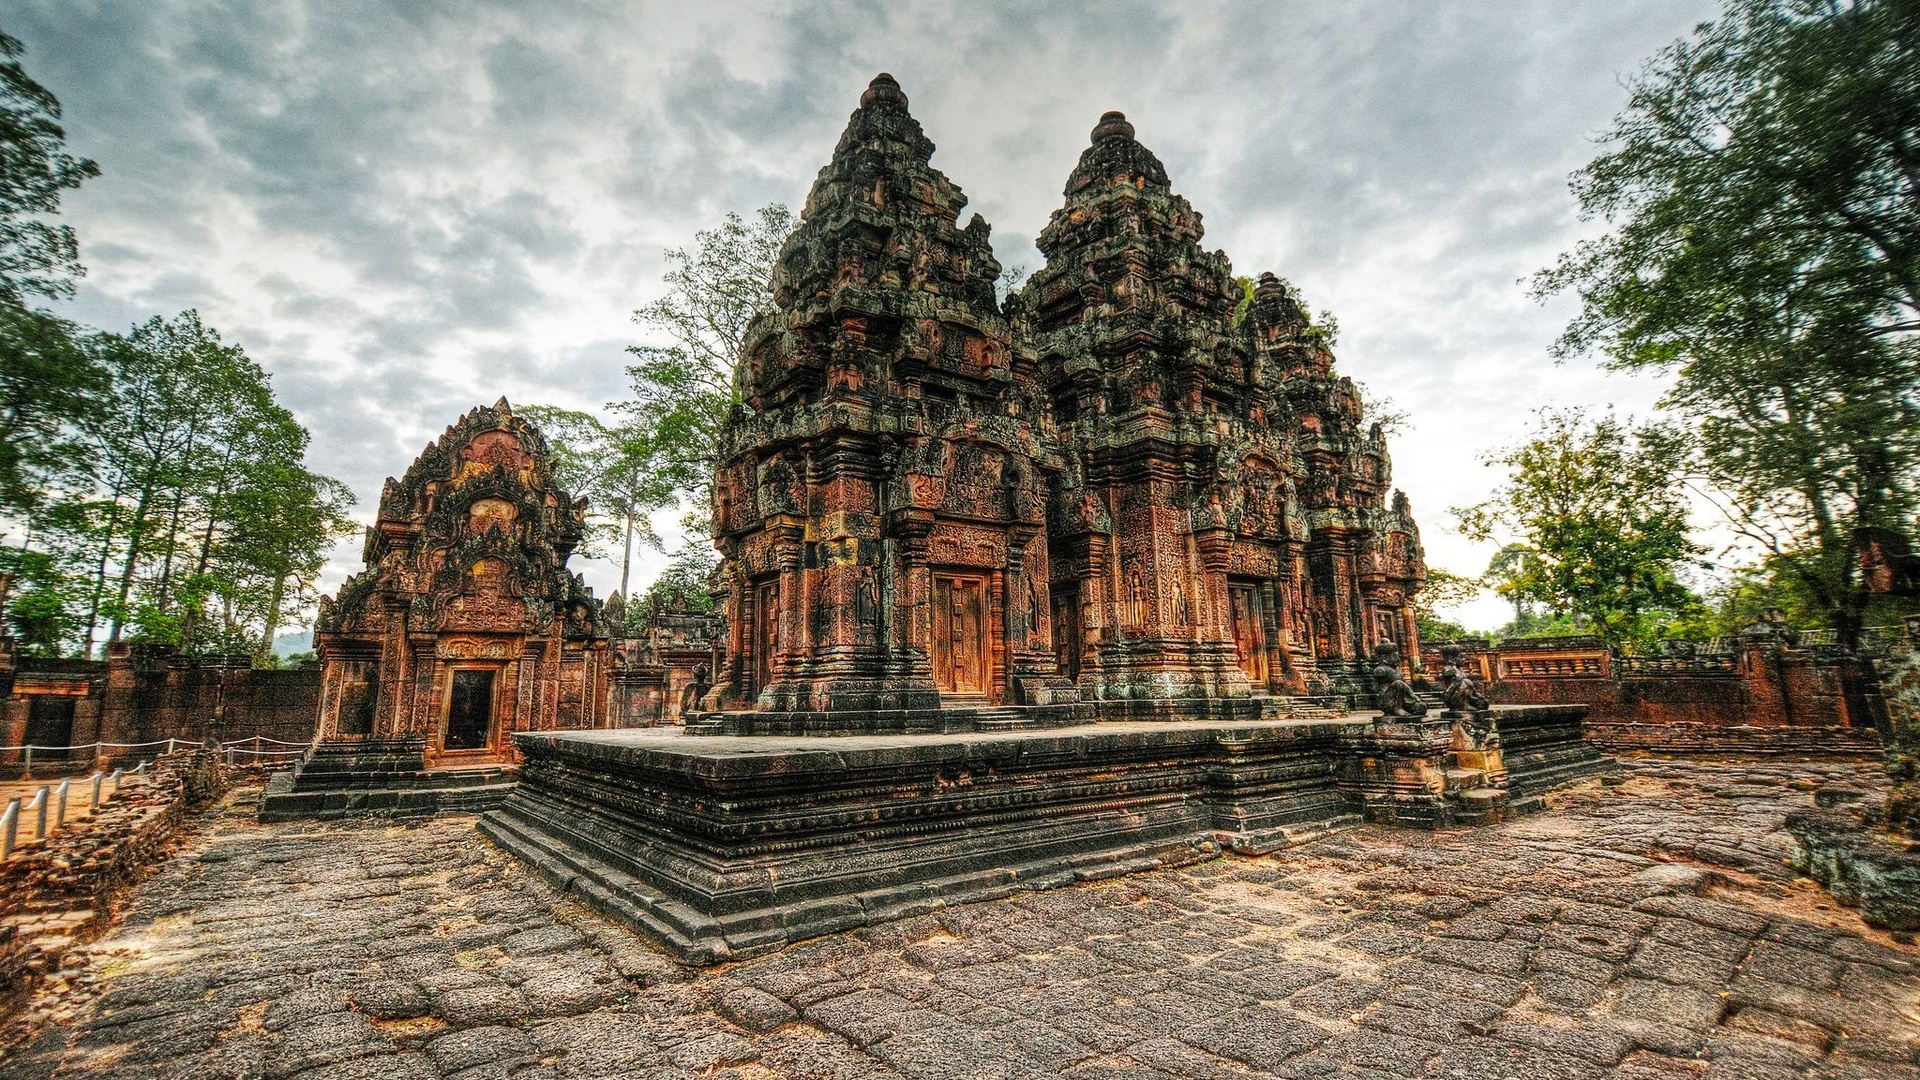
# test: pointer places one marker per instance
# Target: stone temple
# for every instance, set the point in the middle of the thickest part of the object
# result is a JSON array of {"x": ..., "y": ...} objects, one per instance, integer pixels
[
  {"x": 1139, "y": 482},
  {"x": 1023, "y": 594},
  {"x": 465, "y": 627}
]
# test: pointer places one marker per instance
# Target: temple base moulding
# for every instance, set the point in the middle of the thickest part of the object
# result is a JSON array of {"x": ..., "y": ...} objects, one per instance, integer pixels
[{"x": 723, "y": 847}]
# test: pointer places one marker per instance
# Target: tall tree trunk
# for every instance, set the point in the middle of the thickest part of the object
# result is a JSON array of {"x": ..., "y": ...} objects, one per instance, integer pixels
[
  {"x": 100, "y": 575},
  {"x": 626, "y": 558},
  {"x": 273, "y": 620},
  {"x": 163, "y": 592},
  {"x": 189, "y": 621},
  {"x": 133, "y": 558}
]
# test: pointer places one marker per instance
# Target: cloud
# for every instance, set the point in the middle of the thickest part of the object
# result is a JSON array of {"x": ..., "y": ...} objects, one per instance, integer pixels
[{"x": 403, "y": 209}]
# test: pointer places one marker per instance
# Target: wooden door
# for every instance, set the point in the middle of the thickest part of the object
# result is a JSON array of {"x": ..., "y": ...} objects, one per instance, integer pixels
[
  {"x": 766, "y": 634},
  {"x": 1249, "y": 631},
  {"x": 961, "y": 655},
  {"x": 470, "y": 709}
]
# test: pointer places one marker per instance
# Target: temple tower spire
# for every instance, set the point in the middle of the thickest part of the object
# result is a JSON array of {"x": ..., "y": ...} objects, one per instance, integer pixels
[{"x": 881, "y": 504}]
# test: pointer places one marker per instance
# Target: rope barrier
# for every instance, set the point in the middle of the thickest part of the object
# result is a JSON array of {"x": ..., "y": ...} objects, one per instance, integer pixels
[{"x": 168, "y": 743}]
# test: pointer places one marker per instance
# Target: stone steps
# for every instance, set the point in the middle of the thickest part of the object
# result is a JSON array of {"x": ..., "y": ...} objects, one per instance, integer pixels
[{"x": 1304, "y": 708}]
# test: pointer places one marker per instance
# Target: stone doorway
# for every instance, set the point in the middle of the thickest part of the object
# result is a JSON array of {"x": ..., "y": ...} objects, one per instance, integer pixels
[
  {"x": 1066, "y": 631},
  {"x": 1249, "y": 631},
  {"x": 766, "y": 634},
  {"x": 50, "y": 724},
  {"x": 962, "y": 660},
  {"x": 470, "y": 709}
]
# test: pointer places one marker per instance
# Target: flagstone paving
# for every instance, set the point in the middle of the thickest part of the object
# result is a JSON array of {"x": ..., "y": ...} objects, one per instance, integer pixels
[{"x": 1644, "y": 930}]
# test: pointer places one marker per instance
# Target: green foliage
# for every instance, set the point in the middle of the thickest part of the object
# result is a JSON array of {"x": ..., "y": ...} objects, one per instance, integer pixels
[
  {"x": 1442, "y": 588},
  {"x": 186, "y": 515},
  {"x": 48, "y": 382},
  {"x": 37, "y": 257},
  {"x": 617, "y": 470},
  {"x": 682, "y": 391},
  {"x": 1597, "y": 525},
  {"x": 41, "y": 600},
  {"x": 1761, "y": 185},
  {"x": 683, "y": 584}
]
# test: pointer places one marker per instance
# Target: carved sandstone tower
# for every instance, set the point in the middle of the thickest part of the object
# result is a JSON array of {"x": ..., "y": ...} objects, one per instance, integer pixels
[
  {"x": 882, "y": 490},
  {"x": 1351, "y": 549},
  {"x": 1131, "y": 324},
  {"x": 1222, "y": 528},
  {"x": 465, "y": 625}
]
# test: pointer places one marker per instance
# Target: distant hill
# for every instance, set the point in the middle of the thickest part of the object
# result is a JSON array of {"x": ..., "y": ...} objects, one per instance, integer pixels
[{"x": 288, "y": 644}]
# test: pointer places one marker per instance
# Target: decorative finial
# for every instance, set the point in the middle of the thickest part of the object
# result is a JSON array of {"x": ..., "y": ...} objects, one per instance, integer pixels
[
  {"x": 1112, "y": 125},
  {"x": 501, "y": 406},
  {"x": 1269, "y": 286},
  {"x": 884, "y": 88}
]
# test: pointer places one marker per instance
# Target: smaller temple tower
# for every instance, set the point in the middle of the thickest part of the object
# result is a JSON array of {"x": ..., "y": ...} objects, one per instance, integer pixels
[{"x": 465, "y": 625}]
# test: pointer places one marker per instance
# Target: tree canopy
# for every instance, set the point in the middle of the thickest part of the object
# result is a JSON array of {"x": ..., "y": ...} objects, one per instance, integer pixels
[
  {"x": 1761, "y": 191},
  {"x": 38, "y": 257},
  {"x": 682, "y": 390},
  {"x": 614, "y": 466},
  {"x": 1596, "y": 524}
]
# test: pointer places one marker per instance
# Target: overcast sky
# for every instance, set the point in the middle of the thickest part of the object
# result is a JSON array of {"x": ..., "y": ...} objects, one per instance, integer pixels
[{"x": 403, "y": 209}]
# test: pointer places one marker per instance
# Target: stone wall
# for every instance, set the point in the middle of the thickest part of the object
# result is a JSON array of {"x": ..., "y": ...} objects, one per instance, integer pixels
[
  {"x": 52, "y": 895},
  {"x": 654, "y": 665},
  {"x": 1758, "y": 694},
  {"x": 147, "y": 694}
]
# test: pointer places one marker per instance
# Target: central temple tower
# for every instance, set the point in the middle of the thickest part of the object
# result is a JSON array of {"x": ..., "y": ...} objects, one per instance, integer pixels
[
  {"x": 882, "y": 489},
  {"x": 1138, "y": 482},
  {"x": 1131, "y": 324}
]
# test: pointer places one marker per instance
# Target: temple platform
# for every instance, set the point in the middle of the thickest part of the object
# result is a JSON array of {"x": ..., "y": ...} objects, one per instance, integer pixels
[
  {"x": 386, "y": 777},
  {"x": 726, "y": 847}
]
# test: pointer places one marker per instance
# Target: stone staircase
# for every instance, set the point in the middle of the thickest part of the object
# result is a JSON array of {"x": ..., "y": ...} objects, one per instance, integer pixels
[
  {"x": 1304, "y": 708},
  {"x": 386, "y": 778},
  {"x": 1004, "y": 719},
  {"x": 1476, "y": 800}
]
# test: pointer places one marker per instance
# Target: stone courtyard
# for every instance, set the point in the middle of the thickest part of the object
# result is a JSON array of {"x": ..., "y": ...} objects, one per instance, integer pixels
[{"x": 1645, "y": 927}]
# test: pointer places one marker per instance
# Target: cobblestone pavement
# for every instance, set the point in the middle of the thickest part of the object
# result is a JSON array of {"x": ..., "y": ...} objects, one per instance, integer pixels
[{"x": 1644, "y": 930}]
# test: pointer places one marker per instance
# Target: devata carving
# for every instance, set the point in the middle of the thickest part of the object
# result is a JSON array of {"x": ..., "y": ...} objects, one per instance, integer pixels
[
  {"x": 466, "y": 625},
  {"x": 1136, "y": 480}
]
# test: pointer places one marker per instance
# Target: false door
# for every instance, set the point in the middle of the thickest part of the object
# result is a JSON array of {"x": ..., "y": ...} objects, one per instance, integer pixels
[
  {"x": 1249, "y": 631},
  {"x": 766, "y": 633},
  {"x": 961, "y": 656}
]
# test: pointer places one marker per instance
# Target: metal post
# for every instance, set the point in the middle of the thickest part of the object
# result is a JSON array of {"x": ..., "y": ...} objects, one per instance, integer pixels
[
  {"x": 140, "y": 770},
  {"x": 40, "y": 813},
  {"x": 117, "y": 774},
  {"x": 60, "y": 810},
  {"x": 98, "y": 779},
  {"x": 9, "y": 828},
  {"x": 26, "y": 764}
]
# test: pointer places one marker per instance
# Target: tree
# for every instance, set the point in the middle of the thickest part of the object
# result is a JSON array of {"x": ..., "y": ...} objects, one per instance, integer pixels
[
  {"x": 1442, "y": 589},
  {"x": 1763, "y": 188},
  {"x": 205, "y": 527},
  {"x": 47, "y": 381},
  {"x": 683, "y": 584},
  {"x": 37, "y": 257},
  {"x": 1600, "y": 511},
  {"x": 613, "y": 466},
  {"x": 48, "y": 384},
  {"x": 682, "y": 391}
]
